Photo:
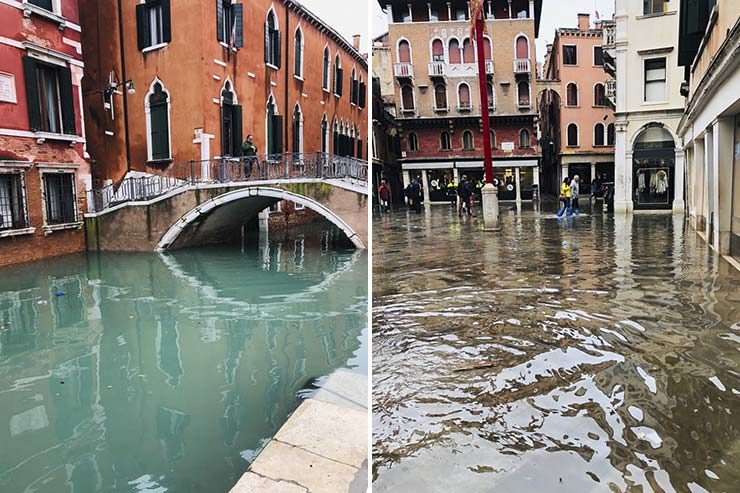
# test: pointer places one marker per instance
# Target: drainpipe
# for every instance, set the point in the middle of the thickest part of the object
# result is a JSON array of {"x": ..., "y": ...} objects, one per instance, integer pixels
[
  {"x": 288, "y": 114},
  {"x": 124, "y": 77}
]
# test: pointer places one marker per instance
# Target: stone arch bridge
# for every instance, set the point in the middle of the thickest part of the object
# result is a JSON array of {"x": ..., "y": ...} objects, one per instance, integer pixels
[{"x": 210, "y": 203}]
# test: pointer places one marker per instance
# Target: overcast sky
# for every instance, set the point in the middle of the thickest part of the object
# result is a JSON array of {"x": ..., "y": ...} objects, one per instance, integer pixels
[
  {"x": 348, "y": 17},
  {"x": 555, "y": 14}
]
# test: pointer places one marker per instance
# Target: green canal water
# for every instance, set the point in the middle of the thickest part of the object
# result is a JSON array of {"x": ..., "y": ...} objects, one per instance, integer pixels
[{"x": 167, "y": 373}]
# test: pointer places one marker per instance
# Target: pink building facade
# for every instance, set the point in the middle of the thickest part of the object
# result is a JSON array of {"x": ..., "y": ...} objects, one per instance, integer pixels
[{"x": 577, "y": 114}]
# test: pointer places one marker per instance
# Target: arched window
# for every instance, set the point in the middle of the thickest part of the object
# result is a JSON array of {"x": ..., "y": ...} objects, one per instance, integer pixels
[
  {"x": 599, "y": 95},
  {"x": 404, "y": 51},
  {"x": 297, "y": 130},
  {"x": 468, "y": 51},
  {"x": 413, "y": 142},
  {"x": 326, "y": 68},
  {"x": 524, "y": 140},
  {"x": 444, "y": 141},
  {"x": 599, "y": 135},
  {"x": 572, "y": 135},
  {"x": 491, "y": 96},
  {"x": 571, "y": 95},
  {"x": 523, "y": 94},
  {"x": 522, "y": 47},
  {"x": 407, "y": 98},
  {"x": 610, "y": 135},
  {"x": 158, "y": 122},
  {"x": 353, "y": 87},
  {"x": 324, "y": 135},
  {"x": 438, "y": 51},
  {"x": 274, "y": 128},
  {"x": 272, "y": 40},
  {"x": 231, "y": 122},
  {"x": 338, "y": 74},
  {"x": 493, "y": 139},
  {"x": 298, "y": 47},
  {"x": 468, "y": 140},
  {"x": 440, "y": 97},
  {"x": 455, "y": 55},
  {"x": 487, "y": 49},
  {"x": 463, "y": 96}
]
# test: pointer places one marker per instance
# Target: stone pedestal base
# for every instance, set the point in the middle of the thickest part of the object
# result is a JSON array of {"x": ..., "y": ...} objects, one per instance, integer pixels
[{"x": 490, "y": 208}]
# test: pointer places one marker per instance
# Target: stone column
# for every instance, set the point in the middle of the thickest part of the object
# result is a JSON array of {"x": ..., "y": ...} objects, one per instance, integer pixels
[
  {"x": 680, "y": 170},
  {"x": 724, "y": 160},
  {"x": 389, "y": 8},
  {"x": 708, "y": 183},
  {"x": 593, "y": 171},
  {"x": 622, "y": 172},
  {"x": 518, "y": 181},
  {"x": 456, "y": 175},
  {"x": 697, "y": 187},
  {"x": 531, "y": 9},
  {"x": 449, "y": 10},
  {"x": 425, "y": 184},
  {"x": 564, "y": 173}
]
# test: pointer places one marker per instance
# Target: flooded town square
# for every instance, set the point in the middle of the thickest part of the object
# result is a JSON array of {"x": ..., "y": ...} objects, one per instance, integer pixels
[{"x": 596, "y": 353}]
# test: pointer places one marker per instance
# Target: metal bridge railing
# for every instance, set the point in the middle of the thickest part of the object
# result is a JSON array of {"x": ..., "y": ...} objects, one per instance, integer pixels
[{"x": 226, "y": 170}]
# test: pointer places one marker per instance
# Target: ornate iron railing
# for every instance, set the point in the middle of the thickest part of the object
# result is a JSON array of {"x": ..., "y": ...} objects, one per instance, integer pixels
[{"x": 230, "y": 170}]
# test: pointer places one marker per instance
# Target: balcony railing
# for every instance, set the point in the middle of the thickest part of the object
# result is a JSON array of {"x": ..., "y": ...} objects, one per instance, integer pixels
[
  {"x": 403, "y": 70},
  {"x": 611, "y": 92},
  {"x": 489, "y": 67},
  {"x": 522, "y": 66},
  {"x": 610, "y": 34},
  {"x": 464, "y": 106},
  {"x": 523, "y": 104},
  {"x": 437, "y": 69}
]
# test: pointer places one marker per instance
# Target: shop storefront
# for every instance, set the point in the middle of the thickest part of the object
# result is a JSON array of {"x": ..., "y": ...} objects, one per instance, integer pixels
[
  {"x": 653, "y": 169},
  {"x": 516, "y": 179}
]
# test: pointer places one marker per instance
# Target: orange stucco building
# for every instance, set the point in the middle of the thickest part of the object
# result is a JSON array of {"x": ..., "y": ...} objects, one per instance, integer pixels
[
  {"x": 577, "y": 115},
  {"x": 205, "y": 75}
]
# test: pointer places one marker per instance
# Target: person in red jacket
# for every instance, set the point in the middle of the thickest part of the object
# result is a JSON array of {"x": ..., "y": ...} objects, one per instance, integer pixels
[{"x": 384, "y": 193}]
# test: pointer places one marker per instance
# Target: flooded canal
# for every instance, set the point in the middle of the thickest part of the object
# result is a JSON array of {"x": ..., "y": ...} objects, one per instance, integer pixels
[
  {"x": 594, "y": 354},
  {"x": 167, "y": 373}
]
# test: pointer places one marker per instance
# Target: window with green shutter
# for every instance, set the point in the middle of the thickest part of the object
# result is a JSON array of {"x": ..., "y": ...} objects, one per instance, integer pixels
[{"x": 49, "y": 97}]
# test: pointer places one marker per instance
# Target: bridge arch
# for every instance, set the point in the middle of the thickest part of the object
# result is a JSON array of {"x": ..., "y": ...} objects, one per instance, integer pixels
[{"x": 243, "y": 203}]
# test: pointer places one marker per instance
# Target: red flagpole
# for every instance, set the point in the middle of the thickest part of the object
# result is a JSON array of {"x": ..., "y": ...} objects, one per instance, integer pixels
[{"x": 488, "y": 160}]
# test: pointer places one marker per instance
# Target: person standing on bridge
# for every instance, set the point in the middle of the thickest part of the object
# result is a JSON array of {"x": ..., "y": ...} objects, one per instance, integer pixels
[{"x": 249, "y": 151}]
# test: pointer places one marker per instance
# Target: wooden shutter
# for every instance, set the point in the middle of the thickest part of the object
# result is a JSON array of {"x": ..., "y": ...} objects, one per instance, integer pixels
[
  {"x": 359, "y": 149},
  {"x": 356, "y": 92},
  {"x": 278, "y": 48},
  {"x": 236, "y": 128},
  {"x": 362, "y": 95},
  {"x": 67, "y": 101},
  {"x": 268, "y": 41},
  {"x": 220, "y": 35},
  {"x": 32, "y": 94},
  {"x": 277, "y": 139},
  {"x": 340, "y": 77},
  {"x": 166, "y": 21},
  {"x": 142, "y": 26},
  {"x": 238, "y": 24},
  {"x": 160, "y": 132}
]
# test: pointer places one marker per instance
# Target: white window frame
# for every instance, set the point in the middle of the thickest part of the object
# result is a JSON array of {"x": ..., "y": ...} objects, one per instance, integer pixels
[
  {"x": 664, "y": 100},
  {"x": 578, "y": 95},
  {"x": 570, "y": 64},
  {"x": 594, "y": 55},
  {"x": 416, "y": 139},
  {"x": 413, "y": 97},
  {"x": 20, "y": 169},
  {"x": 326, "y": 87},
  {"x": 148, "y": 116},
  {"x": 398, "y": 51},
  {"x": 472, "y": 140},
  {"x": 516, "y": 39},
  {"x": 54, "y": 170},
  {"x": 578, "y": 135},
  {"x": 303, "y": 53},
  {"x": 470, "y": 97},
  {"x": 277, "y": 28}
]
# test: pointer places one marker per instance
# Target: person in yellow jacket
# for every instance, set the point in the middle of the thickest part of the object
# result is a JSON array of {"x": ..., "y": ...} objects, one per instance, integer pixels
[{"x": 564, "y": 196}]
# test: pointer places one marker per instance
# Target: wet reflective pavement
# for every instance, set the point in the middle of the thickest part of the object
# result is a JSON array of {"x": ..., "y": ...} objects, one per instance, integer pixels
[
  {"x": 167, "y": 373},
  {"x": 592, "y": 354}
]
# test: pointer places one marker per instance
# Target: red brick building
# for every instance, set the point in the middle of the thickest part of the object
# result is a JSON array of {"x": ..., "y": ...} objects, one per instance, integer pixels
[
  {"x": 43, "y": 171},
  {"x": 435, "y": 78},
  {"x": 207, "y": 74}
]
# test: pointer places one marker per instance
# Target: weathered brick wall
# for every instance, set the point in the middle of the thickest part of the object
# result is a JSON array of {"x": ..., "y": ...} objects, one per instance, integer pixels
[{"x": 289, "y": 217}]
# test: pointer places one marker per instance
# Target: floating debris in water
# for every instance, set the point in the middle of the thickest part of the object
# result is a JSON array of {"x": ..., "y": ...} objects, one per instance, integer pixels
[
  {"x": 718, "y": 383},
  {"x": 59, "y": 293},
  {"x": 42, "y": 302}
]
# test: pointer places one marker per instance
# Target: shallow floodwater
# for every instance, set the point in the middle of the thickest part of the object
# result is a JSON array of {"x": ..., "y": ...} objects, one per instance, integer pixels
[
  {"x": 149, "y": 373},
  {"x": 594, "y": 354}
]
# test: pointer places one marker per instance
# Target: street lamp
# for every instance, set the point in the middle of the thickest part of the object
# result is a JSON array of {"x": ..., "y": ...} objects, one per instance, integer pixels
[
  {"x": 128, "y": 84},
  {"x": 489, "y": 193}
]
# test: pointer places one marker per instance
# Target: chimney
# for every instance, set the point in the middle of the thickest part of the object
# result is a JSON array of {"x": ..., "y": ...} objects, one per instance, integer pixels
[
  {"x": 584, "y": 22},
  {"x": 356, "y": 41},
  {"x": 549, "y": 48}
]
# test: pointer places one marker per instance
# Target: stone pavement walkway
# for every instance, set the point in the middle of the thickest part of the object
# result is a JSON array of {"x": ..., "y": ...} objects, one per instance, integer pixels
[{"x": 322, "y": 448}]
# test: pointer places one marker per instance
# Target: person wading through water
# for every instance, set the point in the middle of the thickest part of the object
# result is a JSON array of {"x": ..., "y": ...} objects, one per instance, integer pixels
[
  {"x": 413, "y": 193},
  {"x": 564, "y": 196},
  {"x": 465, "y": 191},
  {"x": 384, "y": 193}
]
